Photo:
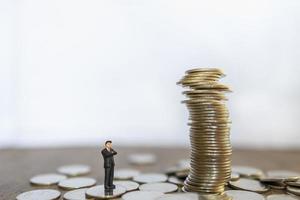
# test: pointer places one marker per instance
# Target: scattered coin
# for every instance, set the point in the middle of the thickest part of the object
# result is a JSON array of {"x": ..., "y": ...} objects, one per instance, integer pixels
[
  {"x": 283, "y": 175},
  {"x": 249, "y": 188},
  {"x": 276, "y": 186},
  {"x": 42, "y": 194},
  {"x": 175, "y": 180},
  {"x": 179, "y": 196},
  {"x": 125, "y": 174},
  {"x": 184, "y": 164},
  {"x": 74, "y": 170},
  {"x": 294, "y": 184},
  {"x": 47, "y": 179},
  {"x": 78, "y": 194},
  {"x": 281, "y": 197},
  {"x": 248, "y": 171},
  {"x": 159, "y": 187},
  {"x": 182, "y": 174},
  {"x": 175, "y": 169},
  {"x": 76, "y": 183},
  {"x": 244, "y": 195},
  {"x": 150, "y": 178},
  {"x": 129, "y": 185},
  {"x": 142, "y": 195},
  {"x": 249, "y": 185},
  {"x": 142, "y": 159},
  {"x": 234, "y": 176},
  {"x": 98, "y": 192},
  {"x": 293, "y": 190}
]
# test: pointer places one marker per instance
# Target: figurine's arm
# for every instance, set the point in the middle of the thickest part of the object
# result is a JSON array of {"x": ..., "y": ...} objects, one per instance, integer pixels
[
  {"x": 109, "y": 154},
  {"x": 106, "y": 154},
  {"x": 113, "y": 152}
]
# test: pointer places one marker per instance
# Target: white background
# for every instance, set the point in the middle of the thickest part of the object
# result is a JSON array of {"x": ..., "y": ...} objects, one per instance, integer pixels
[{"x": 79, "y": 72}]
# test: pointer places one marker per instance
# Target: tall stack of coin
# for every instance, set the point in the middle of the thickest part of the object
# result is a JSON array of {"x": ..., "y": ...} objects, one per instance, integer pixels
[{"x": 210, "y": 164}]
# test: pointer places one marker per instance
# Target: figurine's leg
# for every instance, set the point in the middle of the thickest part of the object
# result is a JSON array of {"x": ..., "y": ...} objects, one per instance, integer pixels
[
  {"x": 107, "y": 177},
  {"x": 111, "y": 176}
]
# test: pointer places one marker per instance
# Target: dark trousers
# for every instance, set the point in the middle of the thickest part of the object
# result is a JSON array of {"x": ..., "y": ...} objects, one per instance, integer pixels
[{"x": 109, "y": 176}]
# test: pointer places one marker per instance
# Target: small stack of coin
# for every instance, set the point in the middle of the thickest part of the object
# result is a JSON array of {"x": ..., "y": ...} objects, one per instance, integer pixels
[{"x": 210, "y": 164}]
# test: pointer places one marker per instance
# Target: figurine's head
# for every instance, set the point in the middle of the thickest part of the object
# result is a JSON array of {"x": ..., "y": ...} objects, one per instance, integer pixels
[{"x": 108, "y": 144}]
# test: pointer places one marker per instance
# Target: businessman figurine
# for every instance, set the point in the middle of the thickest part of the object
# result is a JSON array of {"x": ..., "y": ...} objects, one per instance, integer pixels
[{"x": 109, "y": 164}]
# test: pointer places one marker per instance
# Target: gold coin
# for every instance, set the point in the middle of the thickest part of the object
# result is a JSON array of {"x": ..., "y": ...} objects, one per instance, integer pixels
[
  {"x": 211, "y": 80},
  {"x": 215, "y": 160},
  {"x": 206, "y": 73},
  {"x": 206, "y": 85},
  {"x": 210, "y": 132},
  {"x": 222, "y": 148},
  {"x": 211, "y": 142},
  {"x": 196, "y": 111},
  {"x": 209, "y": 116},
  {"x": 212, "y": 92},
  {"x": 206, "y": 183},
  {"x": 216, "y": 154},
  {"x": 204, "y": 173},
  {"x": 210, "y": 155},
  {"x": 208, "y": 137},
  {"x": 197, "y": 70},
  {"x": 204, "y": 189},
  {"x": 207, "y": 110},
  {"x": 213, "y": 127}
]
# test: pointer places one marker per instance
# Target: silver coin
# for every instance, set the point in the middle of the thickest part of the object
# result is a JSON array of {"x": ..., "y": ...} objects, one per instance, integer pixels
[
  {"x": 244, "y": 195},
  {"x": 142, "y": 158},
  {"x": 284, "y": 174},
  {"x": 129, "y": 185},
  {"x": 179, "y": 196},
  {"x": 150, "y": 178},
  {"x": 159, "y": 187},
  {"x": 125, "y": 174},
  {"x": 42, "y": 194},
  {"x": 142, "y": 195},
  {"x": 247, "y": 171},
  {"x": 293, "y": 190},
  {"x": 249, "y": 184},
  {"x": 294, "y": 183},
  {"x": 281, "y": 197},
  {"x": 74, "y": 170},
  {"x": 276, "y": 185},
  {"x": 98, "y": 192},
  {"x": 184, "y": 163},
  {"x": 78, "y": 194},
  {"x": 175, "y": 169},
  {"x": 172, "y": 170},
  {"x": 175, "y": 180},
  {"x": 76, "y": 183},
  {"x": 47, "y": 179},
  {"x": 234, "y": 176}
]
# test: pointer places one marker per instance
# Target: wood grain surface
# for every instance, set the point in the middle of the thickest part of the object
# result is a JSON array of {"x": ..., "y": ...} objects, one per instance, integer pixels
[{"x": 17, "y": 166}]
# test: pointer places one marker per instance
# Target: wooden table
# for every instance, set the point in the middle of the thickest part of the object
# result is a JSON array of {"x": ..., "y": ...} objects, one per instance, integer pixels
[{"x": 17, "y": 166}]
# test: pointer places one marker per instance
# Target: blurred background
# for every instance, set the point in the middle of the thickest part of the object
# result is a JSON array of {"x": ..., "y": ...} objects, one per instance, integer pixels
[{"x": 80, "y": 72}]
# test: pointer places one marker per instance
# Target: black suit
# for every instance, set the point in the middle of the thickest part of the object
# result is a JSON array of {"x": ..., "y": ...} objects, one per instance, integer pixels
[{"x": 109, "y": 165}]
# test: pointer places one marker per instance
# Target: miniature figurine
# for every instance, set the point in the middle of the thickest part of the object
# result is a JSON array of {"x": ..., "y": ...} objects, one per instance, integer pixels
[{"x": 109, "y": 164}]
